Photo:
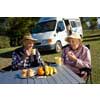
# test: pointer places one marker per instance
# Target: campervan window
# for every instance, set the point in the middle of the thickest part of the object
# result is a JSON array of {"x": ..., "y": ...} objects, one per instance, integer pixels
[
  {"x": 60, "y": 26},
  {"x": 73, "y": 24},
  {"x": 44, "y": 26}
]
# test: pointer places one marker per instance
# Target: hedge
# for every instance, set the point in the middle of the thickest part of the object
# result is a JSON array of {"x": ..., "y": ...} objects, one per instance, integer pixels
[{"x": 4, "y": 42}]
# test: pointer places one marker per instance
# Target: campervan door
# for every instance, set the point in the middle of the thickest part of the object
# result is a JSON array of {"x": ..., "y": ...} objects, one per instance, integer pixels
[{"x": 75, "y": 25}]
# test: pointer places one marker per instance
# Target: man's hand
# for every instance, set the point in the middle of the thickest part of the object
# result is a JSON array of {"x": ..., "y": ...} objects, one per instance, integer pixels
[
  {"x": 27, "y": 54},
  {"x": 71, "y": 56}
]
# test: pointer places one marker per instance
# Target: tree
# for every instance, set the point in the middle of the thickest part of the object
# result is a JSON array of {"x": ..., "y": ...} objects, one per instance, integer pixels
[
  {"x": 93, "y": 21},
  {"x": 16, "y": 27},
  {"x": 89, "y": 20}
]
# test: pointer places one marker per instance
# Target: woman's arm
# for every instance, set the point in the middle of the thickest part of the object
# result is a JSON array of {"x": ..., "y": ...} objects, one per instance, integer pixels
[{"x": 85, "y": 61}]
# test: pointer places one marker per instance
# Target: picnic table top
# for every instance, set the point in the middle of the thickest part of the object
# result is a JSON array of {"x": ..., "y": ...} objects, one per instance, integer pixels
[{"x": 63, "y": 76}]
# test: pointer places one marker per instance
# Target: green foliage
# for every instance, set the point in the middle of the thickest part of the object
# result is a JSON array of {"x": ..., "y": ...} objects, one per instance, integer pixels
[
  {"x": 4, "y": 42},
  {"x": 16, "y": 27},
  {"x": 83, "y": 22},
  {"x": 92, "y": 20}
]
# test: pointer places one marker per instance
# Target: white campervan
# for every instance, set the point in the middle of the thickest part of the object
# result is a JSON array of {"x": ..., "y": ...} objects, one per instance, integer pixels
[{"x": 51, "y": 32}]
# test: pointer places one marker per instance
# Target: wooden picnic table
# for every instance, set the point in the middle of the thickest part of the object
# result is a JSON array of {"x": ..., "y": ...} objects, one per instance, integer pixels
[{"x": 63, "y": 76}]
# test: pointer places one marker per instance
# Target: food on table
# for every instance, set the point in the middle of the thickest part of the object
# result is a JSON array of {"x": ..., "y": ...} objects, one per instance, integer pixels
[
  {"x": 31, "y": 72},
  {"x": 49, "y": 70},
  {"x": 46, "y": 70},
  {"x": 27, "y": 73},
  {"x": 54, "y": 70},
  {"x": 24, "y": 73},
  {"x": 40, "y": 71}
]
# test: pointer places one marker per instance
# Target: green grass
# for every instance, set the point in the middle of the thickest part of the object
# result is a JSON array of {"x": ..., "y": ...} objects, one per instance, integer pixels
[
  {"x": 91, "y": 32},
  {"x": 7, "y": 50},
  {"x": 95, "y": 54},
  {"x": 50, "y": 57},
  {"x": 5, "y": 57}
]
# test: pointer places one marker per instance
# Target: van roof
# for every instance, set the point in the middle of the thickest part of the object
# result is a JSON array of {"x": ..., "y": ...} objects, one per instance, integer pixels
[{"x": 44, "y": 19}]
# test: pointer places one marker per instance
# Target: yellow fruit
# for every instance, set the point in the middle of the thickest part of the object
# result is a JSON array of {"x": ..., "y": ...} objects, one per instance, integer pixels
[
  {"x": 46, "y": 70},
  {"x": 51, "y": 71},
  {"x": 54, "y": 70},
  {"x": 46, "y": 67}
]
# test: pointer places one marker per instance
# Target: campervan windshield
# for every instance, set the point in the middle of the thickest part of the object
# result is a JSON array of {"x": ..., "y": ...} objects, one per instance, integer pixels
[{"x": 44, "y": 26}]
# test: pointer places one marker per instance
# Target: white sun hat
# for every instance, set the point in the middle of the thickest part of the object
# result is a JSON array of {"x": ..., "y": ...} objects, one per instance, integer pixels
[{"x": 73, "y": 36}]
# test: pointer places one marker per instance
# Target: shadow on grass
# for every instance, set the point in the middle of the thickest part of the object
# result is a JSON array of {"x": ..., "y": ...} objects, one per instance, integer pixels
[
  {"x": 96, "y": 35},
  {"x": 7, "y": 68},
  {"x": 93, "y": 39},
  {"x": 47, "y": 52}
]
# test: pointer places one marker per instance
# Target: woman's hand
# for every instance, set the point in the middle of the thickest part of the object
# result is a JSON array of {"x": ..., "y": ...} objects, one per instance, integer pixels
[{"x": 71, "y": 56}]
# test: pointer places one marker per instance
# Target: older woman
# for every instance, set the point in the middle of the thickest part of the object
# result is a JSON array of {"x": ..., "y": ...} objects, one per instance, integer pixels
[
  {"x": 76, "y": 55},
  {"x": 26, "y": 56}
]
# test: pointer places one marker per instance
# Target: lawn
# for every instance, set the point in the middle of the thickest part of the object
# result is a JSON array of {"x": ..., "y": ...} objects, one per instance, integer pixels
[
  {"x": 95, "y": 55},
  {"x": 5, "y": 55}
]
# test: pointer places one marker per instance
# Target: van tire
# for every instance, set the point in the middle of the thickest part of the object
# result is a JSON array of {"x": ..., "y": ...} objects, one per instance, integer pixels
[{"x": 58, "y": 47}]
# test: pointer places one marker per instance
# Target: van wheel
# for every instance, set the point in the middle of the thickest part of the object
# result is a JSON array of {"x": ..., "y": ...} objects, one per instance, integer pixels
[{"x": 58, "y": 47}]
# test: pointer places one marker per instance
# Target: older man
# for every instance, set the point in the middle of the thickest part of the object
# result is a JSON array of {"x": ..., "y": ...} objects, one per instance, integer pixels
[{"x": 26, "y": 56}]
